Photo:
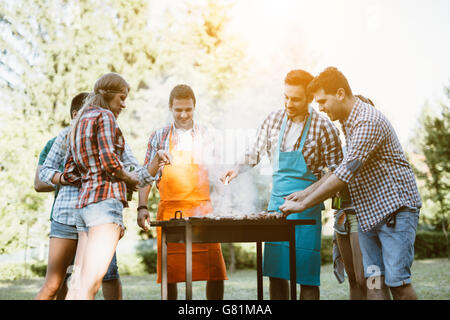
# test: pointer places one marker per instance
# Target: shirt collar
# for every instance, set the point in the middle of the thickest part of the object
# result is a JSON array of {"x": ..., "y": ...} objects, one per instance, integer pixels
[
  {"x": 353, "y": 114},
  {"x": 194, "y": 127}
]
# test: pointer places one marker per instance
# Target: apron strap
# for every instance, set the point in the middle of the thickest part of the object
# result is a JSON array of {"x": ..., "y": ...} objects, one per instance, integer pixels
[
  {"x": 305, "y": 130},
  {"x": 304, "y": 133}
]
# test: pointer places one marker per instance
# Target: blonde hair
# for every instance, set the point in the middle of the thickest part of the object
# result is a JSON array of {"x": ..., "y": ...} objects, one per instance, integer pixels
[{"x": 105, "y": 88}]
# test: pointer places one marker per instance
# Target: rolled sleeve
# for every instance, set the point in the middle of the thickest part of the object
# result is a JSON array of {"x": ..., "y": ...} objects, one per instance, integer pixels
[
  {"x": 343, "y": 173},
  {"x": 54, "y": 161},
  {"x": 152, "y": 149},
  {"x": 366, "y": 137},
  {"x": 129, "y": 161},
  {"x": 106, "y": 137},
  {"x": 71, "y": 173},
  {"x": 46, "y": 174}
]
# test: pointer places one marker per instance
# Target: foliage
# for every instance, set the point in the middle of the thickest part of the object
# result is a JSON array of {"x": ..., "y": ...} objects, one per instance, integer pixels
[
  {"x": 245, "y": 256},
  {"x": 430, "y": 245},
  {"x": 436, "y": 150},
  {"x": 16, "y": 271},
  {"x": 148, "y": 256},
  {"x": 326, "y": 250},
  {"x": 433, "y": 143},
  {"x": 149, "y": 260},
  {"x": 39, "y": 269},
  {"x": 51, "y": 50},
  {"x": 130, "y": 264}
]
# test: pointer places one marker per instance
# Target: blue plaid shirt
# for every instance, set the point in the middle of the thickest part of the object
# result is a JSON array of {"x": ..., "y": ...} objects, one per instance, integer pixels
[
  {"x": 67, "y": 199},
  {"x": 379, "y": 177}
]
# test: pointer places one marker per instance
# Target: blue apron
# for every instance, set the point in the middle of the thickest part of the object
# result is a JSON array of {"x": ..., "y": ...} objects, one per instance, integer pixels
[{"x": 291, "y": 174}]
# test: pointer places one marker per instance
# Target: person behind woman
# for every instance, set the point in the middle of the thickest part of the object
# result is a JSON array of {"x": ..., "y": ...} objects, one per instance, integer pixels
[
  {"x": 346, "y": 232},
  {"x": 96, "y": 145}
]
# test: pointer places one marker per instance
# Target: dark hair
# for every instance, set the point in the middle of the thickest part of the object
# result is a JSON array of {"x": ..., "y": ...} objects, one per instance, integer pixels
[
  {"x": 330, "y": 80},
  {"x": 298, "y": 78},
  {"x": 181, "y": 91},
  {"x": 77, "y": 102}
]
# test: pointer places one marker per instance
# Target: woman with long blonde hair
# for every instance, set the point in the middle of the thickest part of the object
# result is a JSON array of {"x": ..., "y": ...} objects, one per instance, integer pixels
[{"x": 96, "y": 147}]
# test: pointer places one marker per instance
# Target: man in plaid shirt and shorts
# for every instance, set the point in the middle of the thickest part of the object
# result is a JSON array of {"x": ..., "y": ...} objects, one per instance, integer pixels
[{"x": 381, "y": 184}]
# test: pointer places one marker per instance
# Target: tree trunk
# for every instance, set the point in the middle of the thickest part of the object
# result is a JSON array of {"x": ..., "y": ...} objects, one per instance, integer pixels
[{"x": 232, "y": 266}]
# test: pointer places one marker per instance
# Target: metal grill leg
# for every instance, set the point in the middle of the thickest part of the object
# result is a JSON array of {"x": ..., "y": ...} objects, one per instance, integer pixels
[
  {"x": 188, "y": 242},
  {"x": 163, "y": 265},
  {"x": 292, "y": 263},
  {"x": 259, "y": 270}
]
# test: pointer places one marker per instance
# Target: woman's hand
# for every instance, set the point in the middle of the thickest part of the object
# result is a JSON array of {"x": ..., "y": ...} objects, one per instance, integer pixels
[
  {"x": 143, "y": 215},
  {"x": 164, "y": 158},
  {"x": 161, "y": 159}
]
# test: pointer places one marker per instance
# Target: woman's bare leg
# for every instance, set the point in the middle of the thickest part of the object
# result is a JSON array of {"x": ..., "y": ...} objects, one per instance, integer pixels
[
  {"x": 358, "y": 266},
  {"x": 60, "y": 256},
  {"x": 101, "y": 244},
  {"x": 345, "y": 248},
  {"x": 74, "y": 281}
]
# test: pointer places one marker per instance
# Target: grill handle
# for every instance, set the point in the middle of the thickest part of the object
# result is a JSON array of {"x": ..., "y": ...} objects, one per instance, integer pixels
[{"x": 176, "y": 214}]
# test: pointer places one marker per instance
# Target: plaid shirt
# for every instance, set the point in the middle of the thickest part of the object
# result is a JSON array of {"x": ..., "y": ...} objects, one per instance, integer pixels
[
  {"x": 96, "y": 158},
  {"x": 160, "y": 140},
  {"x": 379, "y": 177},
  {"x": 67, "y": 198},
  {"x": 322, "y": 147}
]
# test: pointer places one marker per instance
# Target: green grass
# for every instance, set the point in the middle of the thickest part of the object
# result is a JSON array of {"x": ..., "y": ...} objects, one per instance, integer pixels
[{"x": 431, "y": 280}]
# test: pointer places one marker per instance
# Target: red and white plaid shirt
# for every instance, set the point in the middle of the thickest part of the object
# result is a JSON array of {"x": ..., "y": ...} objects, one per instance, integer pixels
[{"x": 95, "y": 156}]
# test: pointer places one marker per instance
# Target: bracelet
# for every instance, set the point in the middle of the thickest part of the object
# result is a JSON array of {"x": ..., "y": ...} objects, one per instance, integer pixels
[
  {"x": 60, "y": 182},
  {"x": 142, "y": 207}
]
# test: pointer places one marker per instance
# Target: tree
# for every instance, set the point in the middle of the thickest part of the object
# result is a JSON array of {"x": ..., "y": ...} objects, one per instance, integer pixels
[
  {"x": 435, "y": 147},
  {"x": 50, "y": 50}
]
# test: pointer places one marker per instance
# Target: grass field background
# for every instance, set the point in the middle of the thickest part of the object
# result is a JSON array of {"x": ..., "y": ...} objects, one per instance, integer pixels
[{"x": 431, "y": 280}]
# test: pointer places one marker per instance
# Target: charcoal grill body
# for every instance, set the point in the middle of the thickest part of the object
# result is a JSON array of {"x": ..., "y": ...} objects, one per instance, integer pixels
[{"x": 193, "y": 230}]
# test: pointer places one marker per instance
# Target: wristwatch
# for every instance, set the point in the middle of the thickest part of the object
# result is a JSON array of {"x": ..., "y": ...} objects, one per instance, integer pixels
[{"x": 142, "y": 207}]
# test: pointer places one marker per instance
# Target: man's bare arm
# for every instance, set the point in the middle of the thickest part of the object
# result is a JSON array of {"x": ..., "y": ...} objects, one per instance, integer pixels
[{"x": 325, "y": 190}]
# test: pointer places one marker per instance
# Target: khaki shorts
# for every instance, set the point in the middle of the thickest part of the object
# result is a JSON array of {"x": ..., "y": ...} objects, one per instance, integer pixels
[
  {"x": 345, "y": 221},
  {"x": 352, "y": 221}
]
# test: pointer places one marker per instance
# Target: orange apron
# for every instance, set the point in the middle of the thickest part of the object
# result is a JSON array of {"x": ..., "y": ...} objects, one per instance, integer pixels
[{"x": 184, "y": 186}]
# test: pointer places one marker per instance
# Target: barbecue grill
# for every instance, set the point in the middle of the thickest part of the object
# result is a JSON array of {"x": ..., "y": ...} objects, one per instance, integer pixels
[{"x": 261, "y": 227}]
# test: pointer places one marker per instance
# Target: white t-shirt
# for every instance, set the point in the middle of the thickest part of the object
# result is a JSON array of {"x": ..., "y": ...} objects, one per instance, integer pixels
[
  {"x": 292, "y": 136},
  {"x": 184, "y": 141}
]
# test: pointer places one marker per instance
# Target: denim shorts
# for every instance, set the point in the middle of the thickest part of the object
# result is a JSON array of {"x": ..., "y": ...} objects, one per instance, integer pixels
[
  {"x": 111, "y": 274},
  {"x": 64, "y": 231},
  {"x": 113, "y": 270},
  {"x": 389, "y": 250},
  {"x": 103, "y": 212}
]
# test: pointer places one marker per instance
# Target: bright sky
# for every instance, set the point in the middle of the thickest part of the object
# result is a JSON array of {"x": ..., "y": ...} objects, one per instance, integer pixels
[{"x": 395, "y": 52}]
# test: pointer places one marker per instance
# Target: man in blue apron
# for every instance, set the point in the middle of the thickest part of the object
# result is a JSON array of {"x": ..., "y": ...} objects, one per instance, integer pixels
[{"x": 300, "y": 143}]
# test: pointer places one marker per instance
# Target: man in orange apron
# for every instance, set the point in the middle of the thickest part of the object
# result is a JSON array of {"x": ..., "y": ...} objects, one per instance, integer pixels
[{"x": 183, "y": 185}]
